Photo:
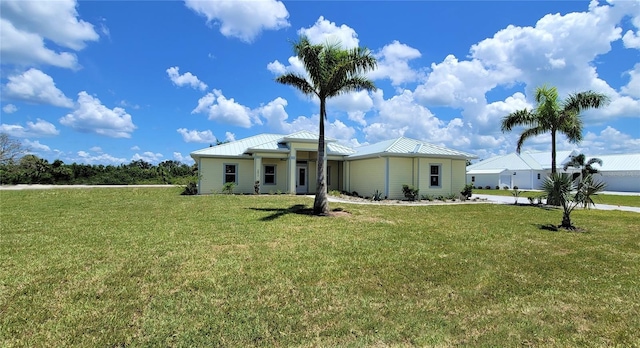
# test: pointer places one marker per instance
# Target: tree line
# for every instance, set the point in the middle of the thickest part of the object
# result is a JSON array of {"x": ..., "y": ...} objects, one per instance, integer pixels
[{"x": 16, "y": 168}]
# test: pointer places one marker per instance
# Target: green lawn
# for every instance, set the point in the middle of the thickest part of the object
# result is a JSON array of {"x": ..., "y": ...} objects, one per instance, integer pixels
[
  {"x": 630, "y": 201},
  {"x": 148, "y": 267}
]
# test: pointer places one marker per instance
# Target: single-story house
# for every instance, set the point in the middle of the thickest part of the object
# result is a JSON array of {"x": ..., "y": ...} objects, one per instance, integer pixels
[
  {"x": 287, "y": 164},
  {"x": 528, "y": 170}
]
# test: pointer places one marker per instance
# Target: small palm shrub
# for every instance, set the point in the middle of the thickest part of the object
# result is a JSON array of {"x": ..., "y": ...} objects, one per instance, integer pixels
[
  {"x": 516, "y": 193},
  {"x": 428, "y": 197},
  {"x": 561, "y": 187},
  {"x": 467, "y": 191},
  {"x": 451, "y": 197},
  {"x": 228, "y": 187},
  {"x": 410, "y": 192},
  {"x": 191, "y": 189}
]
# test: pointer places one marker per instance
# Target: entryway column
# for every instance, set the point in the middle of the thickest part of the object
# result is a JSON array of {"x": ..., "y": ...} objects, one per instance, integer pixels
[
  {"x": 257, "y": 169},
  {"x": 292, "y": 171}
]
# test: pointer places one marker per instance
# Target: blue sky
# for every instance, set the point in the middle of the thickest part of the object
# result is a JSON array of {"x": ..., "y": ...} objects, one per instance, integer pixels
[{"x": 108, "y": 82}]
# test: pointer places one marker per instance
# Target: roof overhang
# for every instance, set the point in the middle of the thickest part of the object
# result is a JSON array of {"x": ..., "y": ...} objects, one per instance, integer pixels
[
  {"x": 406, "y": 155},
  {"x": 487, "y": 171}
]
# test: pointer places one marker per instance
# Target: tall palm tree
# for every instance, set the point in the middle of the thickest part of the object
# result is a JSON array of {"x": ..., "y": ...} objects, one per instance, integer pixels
[
  {"x": 331, "y": 71},
  {"x": 580, "y": 162},
  {"x": 554, "y": 116}
]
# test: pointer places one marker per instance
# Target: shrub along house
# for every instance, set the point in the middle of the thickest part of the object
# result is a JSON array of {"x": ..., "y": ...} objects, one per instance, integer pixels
[{"x": 287, "y": 164}]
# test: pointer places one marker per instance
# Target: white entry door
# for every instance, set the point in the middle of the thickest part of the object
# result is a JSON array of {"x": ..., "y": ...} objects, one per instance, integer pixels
[{"x": 301, "y": 179}]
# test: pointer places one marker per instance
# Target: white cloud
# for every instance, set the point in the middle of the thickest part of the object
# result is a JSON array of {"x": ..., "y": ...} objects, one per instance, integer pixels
[
  {"x": 185, "y": 79},
  {"x": 632, "y": 39},
  {"x": 560, "y": 50},
  {"x": 491, "y": 114},
  {"x": 9, "y": 109},
  {"x": 228, "y": 136},
  {"x": 620, "y": 106},
  {"x": 609, "y": 141},
  {"x": 40, "y": 128},
  {"x": 393, "y": 63},
  {"x": 25, "y": 25},
  {"x": 135, "y": 148},
  {"x": 632, "y": 89},
  {"x": 183, "y": 159},
  {"x": 25, "y": 48},
  {"x": 147, "y": 156},
  {"x": 85, "y": 157},
  {"x": 324, "y": 31},
  {"x": 90, "y": 116},
  {"x": 195, "y": 136},
  {"x": 457, "y": 83},
  {"x": 35, "y": 146},
  {"x": 276, "y": 68},
  {"x": 96, "y": 149},
  {"x": 36, "y": 87},
  {"x": 224, "y": 110},
  {"x": 401, "y": 115},
  {"x": 295, "y": 66},
  {"x": 126, "y": 104},
  {"x": 244, "y": 20},
  {"x": 274, "y": 113}
]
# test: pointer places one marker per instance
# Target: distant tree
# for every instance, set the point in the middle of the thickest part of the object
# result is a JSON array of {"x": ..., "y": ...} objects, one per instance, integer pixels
[
  {"x": 553, "y": 116},
  {"x": 10, "y": 149},
  {"x": 580, "y": 162},
  {"x": 34, "y": 170},
  {"x": 331, "y": 71}
]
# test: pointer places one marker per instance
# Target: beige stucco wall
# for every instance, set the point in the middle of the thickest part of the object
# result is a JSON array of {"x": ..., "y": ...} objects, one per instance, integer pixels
[
  {"x": 335, "y": 173},
  {"x": 452, "y": 176},
  {"x": 401, "y": 171},
  {"x": 425, "y": 172},
  {"x": 459, "y": 179},
  {"x": 212, "y": 175},
  {"x": 282, "y": 174},
  {"x": 366, "y": 176}
]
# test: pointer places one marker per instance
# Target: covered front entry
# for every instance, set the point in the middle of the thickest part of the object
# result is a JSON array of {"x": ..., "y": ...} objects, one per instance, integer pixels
[{"x": 301, "y": 179}]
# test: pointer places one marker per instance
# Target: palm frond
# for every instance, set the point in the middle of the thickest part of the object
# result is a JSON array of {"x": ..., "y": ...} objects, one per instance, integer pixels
[
  {"x": 518, "y": 118},
  {"x": 353, "y": 84},
  {"x": 585, "y": 100},
  {"x": 529, "y": 133},
  {"x": 296, "y": 81},
  {"x": 570, "y": 124}
]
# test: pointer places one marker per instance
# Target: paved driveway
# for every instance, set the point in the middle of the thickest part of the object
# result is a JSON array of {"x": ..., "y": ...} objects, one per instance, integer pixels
[{"x": 524, "y": 200}]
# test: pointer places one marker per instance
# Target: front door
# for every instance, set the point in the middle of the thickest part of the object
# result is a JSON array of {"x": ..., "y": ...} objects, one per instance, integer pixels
[{"x": 301, "y": 179}]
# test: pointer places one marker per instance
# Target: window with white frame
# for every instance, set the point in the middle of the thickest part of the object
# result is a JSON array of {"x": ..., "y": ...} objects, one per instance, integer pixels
[
  {"x": 435, "y": 175},
  {"x": 269, "y": 174},
  {"x": 231, "y": 173}
]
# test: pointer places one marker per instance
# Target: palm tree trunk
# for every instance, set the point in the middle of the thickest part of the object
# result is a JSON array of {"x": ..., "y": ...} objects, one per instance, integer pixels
[
  {"x": 552, "y": 200},
  {"x": 566, "y": 220},
  {"x": 321, "y": 202},
  {"x": 553, "y": 151}
]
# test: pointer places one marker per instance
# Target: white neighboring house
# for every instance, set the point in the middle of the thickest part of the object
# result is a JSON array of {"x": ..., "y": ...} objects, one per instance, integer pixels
[
  {"x": 529, "y": 169},
  {"x": 620, "y": 172}
]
